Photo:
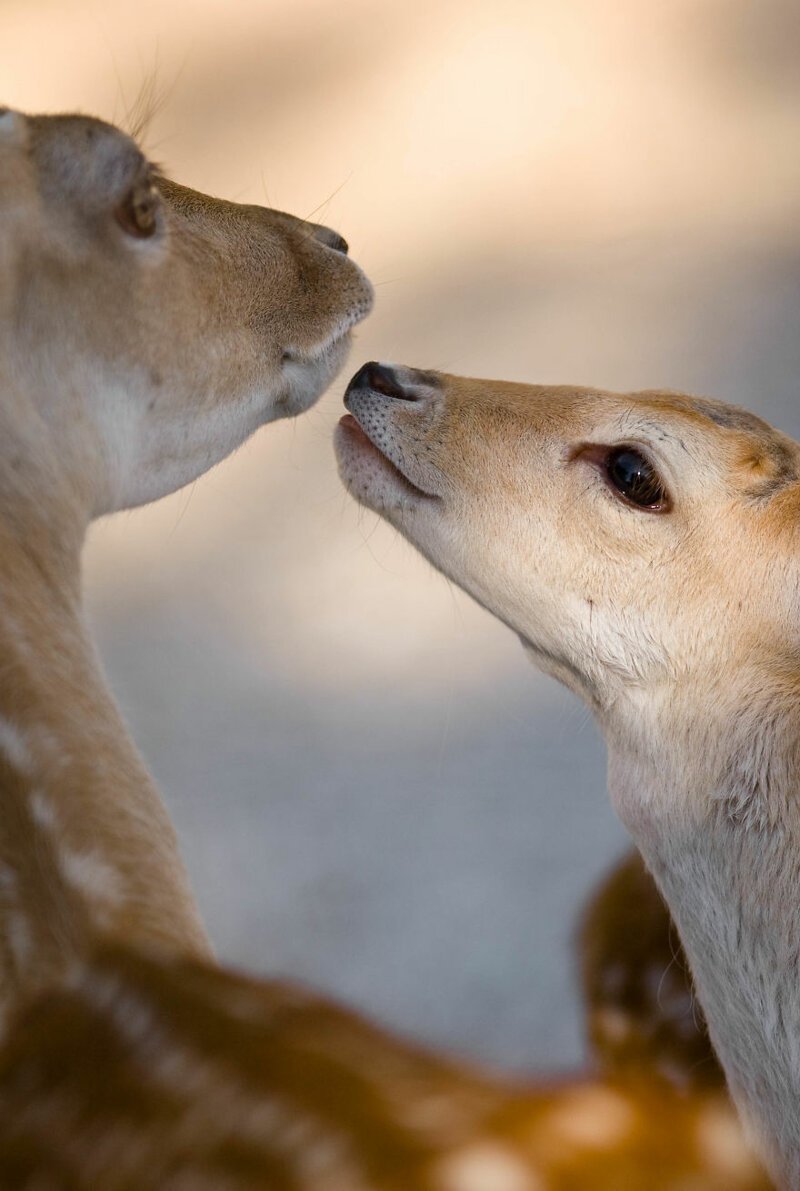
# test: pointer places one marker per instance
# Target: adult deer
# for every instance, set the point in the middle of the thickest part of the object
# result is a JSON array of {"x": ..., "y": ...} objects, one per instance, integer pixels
[
  {"x": 645, "y": 549},
  {"x": 145, "y": 331}
]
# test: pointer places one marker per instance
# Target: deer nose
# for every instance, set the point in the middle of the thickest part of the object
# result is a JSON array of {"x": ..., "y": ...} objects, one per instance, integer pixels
[
  {"x": 397, "y": 383},
  {"x": 331, "y": 239}
]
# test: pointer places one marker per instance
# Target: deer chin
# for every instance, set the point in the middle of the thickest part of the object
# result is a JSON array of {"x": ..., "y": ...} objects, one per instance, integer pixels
[
  {"x": 371, "y": 476},
  {"x": 308, "y": 371},
  {"x": 306, "y": 377}
]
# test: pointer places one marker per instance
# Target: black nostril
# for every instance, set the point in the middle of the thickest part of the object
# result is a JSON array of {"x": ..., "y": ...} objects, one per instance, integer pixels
[
  {"x": 332, "y": 239},
  {"x": 381, "y": 379}
]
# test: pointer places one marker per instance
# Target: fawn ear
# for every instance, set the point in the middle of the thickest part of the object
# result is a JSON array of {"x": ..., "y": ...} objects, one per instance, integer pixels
[{"x": 780, "y": 531}]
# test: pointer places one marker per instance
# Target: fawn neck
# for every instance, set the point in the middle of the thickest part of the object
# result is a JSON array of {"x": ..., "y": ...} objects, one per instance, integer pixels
[
  {"x": 86, "y": 846},
  {"x": 731, "y": 876}
]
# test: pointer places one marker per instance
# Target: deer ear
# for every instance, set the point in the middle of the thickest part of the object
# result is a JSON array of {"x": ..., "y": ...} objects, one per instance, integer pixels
[
  {"x": 137, "y": 213},
  {"x": 779, "y": 514}
]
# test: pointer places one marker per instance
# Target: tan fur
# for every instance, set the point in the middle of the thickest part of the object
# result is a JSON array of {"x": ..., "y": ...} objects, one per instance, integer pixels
[
  {"x": 129, "y": 364},
  {"x": 680, "y": 628}
]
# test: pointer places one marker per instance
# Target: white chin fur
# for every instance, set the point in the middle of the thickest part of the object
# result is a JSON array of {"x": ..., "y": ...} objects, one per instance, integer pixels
[{"x": 307, "y": 380}]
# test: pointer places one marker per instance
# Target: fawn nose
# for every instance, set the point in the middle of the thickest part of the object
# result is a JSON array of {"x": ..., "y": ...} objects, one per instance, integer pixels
[
  {"x": 331, "y": 239},
  {"x": 399, "y": 384}
]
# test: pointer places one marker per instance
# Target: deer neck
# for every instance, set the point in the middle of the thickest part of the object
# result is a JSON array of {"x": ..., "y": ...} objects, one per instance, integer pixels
[
  {"x": 715, "y": 814},
  {"x": 86, "y": 846}
]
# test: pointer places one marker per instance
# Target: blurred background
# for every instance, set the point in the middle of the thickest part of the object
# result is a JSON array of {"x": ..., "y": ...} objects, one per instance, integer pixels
[{"x": 375, "y": 791}]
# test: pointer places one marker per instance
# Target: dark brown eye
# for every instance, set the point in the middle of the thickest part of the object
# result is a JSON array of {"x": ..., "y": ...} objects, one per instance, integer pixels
[
  {"x": 136, "y": 214},
  {"x": 635, "y": 478}
]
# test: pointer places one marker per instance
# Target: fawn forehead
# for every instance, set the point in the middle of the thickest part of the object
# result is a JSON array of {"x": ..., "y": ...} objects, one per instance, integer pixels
[
  {"x": 749, "y": 456},
  {"x": 705, "y": 440}
]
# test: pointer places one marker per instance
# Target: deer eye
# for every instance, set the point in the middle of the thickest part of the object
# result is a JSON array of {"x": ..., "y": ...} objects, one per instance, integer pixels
[
  {"x": 635, "y": 478},
  {"x": 136, "y": 214}
]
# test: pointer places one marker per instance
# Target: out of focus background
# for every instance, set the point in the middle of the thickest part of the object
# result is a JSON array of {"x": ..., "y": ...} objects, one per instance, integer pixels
[{"x": 375, "y": 791}]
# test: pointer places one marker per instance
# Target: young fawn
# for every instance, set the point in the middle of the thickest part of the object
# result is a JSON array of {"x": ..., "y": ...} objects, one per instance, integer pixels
[
  {"x": 145, "y": 331},
  {"x": 645, "y": 550}
]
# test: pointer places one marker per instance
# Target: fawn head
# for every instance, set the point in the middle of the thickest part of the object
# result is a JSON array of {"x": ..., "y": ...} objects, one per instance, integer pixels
[
  {"x": 148, "y": 329},
  {"x": 643, "y": 546}
]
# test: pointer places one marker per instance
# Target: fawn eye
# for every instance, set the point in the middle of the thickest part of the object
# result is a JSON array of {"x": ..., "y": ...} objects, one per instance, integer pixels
[
  {"x": 635, "y": 478},
  {"x": 136, "y": 214}
]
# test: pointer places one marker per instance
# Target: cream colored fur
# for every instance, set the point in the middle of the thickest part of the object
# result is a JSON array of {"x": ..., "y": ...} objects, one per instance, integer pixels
[
  {"x": 146, "y": 330},
  {"x": 681, "y": 629}
]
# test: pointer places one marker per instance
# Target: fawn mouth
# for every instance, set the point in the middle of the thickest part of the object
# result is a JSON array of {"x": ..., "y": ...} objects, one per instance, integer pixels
[{"x": 362, "y": 463}]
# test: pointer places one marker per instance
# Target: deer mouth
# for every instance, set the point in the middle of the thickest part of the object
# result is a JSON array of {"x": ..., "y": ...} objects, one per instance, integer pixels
[{"x": 340, "y": 335}]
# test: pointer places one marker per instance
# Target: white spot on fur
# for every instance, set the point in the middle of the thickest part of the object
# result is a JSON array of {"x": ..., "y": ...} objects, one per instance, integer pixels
[
  {"x": 47, "y": 747},
  {"x": 20, "y": 939},
  {"x": 592, "y": 1117},
  {"x": 485, "y": 1166},
  {"x": 43, "y": 812},
  {"x": 8, "y": 879},
  {"x": 92, "y": 876},
  {"x": 614, "y": 1024},
  {"x": 437, "y": 1116},
  {"x": 14, "y": 745}
]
